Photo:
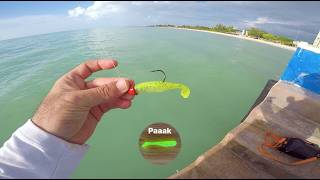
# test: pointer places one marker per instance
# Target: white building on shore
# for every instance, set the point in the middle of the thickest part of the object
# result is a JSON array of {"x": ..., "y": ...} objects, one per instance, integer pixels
[
  {"x": 316, "y": 42},
  {"x": 244, "y": 32}
]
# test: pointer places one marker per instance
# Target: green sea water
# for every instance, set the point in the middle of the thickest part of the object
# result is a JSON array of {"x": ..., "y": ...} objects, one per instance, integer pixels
[{"x": 225, "y": 76}]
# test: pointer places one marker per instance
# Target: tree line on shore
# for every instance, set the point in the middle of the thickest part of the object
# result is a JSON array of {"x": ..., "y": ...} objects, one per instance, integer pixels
[{"x": 251, "y": 32}]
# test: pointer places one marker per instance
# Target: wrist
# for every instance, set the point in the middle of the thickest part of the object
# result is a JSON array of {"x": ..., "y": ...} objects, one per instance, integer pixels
[
  {"x": 49, "y": 155},
  {"x": 43, "y": 128}
]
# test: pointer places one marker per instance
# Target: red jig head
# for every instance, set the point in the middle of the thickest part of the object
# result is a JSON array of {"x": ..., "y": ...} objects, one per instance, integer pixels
[{"x": 132, "y": 91}]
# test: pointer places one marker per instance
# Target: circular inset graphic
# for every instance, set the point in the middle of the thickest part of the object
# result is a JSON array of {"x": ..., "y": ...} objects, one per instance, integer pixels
[{"x": 159, "y": 143}]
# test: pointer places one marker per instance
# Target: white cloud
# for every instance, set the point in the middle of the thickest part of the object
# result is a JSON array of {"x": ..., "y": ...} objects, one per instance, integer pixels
[
  {"x": 259, "y": 20},
  {"x": 161, "y": 2},
  {"x": 141, "y": 3},
  {"x": 266, "y": 20},
  {"x": 97, "y": 9},
  {"x": 101, "y": 9},
  {"x": 76, "y": 11},
  {"x": 137, "y": 3}
]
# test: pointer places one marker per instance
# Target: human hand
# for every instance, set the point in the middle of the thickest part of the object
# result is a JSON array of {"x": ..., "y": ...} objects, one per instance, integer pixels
[{"x": 73, "y": 107}]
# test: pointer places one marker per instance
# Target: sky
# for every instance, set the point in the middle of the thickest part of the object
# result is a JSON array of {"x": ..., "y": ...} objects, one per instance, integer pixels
[{"x": 299, "y": 20}]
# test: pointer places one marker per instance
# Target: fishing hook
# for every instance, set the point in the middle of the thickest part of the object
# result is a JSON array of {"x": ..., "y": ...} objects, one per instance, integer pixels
[{"x": 164, "y": 79}]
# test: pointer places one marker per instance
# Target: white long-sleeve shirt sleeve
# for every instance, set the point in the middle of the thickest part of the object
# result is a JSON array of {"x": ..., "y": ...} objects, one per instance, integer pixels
[{"x": 33, "y": 153}]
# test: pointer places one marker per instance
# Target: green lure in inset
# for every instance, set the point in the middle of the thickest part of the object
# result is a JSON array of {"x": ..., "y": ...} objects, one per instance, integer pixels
[{"x": 159, "y": 143}]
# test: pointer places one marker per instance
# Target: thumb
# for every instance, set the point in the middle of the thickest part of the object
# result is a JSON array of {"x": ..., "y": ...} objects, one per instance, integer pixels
[{"x": 101, "y": 94}]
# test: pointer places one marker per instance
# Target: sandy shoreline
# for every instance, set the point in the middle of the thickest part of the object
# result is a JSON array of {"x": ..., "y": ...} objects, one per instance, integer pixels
[{"x": 245, "y": 38}]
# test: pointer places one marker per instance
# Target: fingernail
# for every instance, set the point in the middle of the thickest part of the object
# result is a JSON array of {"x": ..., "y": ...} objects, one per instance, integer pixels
[{"x": 122, "y": 85}]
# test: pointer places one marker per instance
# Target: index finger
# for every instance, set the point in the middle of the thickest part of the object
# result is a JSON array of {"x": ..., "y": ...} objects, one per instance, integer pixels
[{"x": 84, "y": 70}]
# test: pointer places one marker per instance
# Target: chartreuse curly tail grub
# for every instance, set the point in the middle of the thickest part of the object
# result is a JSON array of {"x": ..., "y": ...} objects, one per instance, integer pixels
[
  {"x": 165, "y": 144},
  {"x": 160, "y": 86}
]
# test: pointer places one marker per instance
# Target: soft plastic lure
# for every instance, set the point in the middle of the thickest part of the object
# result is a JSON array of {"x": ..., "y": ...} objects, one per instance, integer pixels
[
  {"x": 171, "y": 143},
  {"x": 159, "y": 86}
]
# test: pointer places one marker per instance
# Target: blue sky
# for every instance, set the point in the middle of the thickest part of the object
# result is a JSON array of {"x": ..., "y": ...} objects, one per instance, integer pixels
[{"x": 298, "y": 20}]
